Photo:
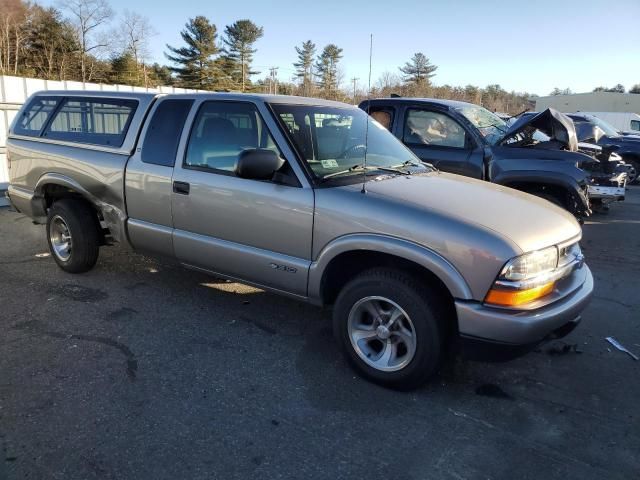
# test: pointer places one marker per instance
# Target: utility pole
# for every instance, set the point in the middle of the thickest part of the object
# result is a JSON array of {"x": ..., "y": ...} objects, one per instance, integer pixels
[
  {"x": 273, "y": 76},
  {"x": 354, "y": 80}
]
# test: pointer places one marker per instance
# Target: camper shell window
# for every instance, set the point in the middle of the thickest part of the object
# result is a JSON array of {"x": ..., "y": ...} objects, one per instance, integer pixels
[{"x": 94, "y": 121}]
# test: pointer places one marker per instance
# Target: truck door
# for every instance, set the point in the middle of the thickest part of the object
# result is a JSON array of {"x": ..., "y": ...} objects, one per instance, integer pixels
[
  {"x": 148, "y": 178},
  {"x": 256, "y": 231},
  {"x": 439, "y": 139}
]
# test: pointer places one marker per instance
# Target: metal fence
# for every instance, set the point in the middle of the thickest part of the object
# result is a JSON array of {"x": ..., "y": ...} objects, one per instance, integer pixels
[{"x": 14, "y": 91}]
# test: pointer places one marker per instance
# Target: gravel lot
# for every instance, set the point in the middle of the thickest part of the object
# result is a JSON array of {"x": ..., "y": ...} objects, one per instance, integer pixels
[{"x": 141, "y": 369}]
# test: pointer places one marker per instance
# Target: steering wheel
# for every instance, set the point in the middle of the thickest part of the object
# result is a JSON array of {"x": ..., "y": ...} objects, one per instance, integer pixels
[{"x": 352, "y": 149}]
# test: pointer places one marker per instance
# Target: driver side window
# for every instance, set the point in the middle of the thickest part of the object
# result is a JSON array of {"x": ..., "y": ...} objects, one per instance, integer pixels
[
  {"x": 221, "y": 131},
  {"x": 424, "y": 127}
]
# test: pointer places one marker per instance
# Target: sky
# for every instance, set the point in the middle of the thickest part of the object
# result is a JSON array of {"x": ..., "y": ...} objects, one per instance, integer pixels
[{"x": 526, "y": 46}]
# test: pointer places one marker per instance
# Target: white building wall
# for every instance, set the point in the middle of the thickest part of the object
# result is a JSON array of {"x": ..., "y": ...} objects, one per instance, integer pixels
[
  {"x": 14, "y": 91},
  {"x": 591, "y": 102}
]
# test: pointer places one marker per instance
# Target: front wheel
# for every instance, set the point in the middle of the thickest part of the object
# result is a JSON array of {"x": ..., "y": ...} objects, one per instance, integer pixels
[
  {"x": 632, "y": 174},
  {"x": 72, "y": 234},
  {"x": 391, "y": 328}
]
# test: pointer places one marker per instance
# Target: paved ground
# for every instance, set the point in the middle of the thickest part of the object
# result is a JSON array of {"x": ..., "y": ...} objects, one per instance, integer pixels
[{"x": 140, "y": 369}]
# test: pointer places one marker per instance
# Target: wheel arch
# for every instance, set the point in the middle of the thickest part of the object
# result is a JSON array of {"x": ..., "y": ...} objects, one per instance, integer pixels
[
  {"x": 53, "y": 186},
  {"x": 554, "y": 182},
  {"x": 351, "y": 254}
]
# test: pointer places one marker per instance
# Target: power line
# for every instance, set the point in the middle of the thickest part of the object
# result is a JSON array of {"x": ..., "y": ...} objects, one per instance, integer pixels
[
  {"x": 273, "y": 79},
  {"x": 354, "y": 80}
]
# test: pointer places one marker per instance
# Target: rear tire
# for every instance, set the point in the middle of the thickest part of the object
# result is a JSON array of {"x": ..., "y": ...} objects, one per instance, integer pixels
[
  {"x": 390, "y": 327},
  {"x": 72, "y": 234}
]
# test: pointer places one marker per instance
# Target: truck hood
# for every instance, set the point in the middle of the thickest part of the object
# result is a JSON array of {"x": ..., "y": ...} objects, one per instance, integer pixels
[
  {"x": 552, "y": 123},
  {"x": 529, "y": 222}
]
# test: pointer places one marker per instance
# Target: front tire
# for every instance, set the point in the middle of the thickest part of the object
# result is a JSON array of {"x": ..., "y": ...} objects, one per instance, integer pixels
[
  {"x": 633, "y": 175},
  {"x": 390, "y": 327},
  {"x": 72, "y": 235}
]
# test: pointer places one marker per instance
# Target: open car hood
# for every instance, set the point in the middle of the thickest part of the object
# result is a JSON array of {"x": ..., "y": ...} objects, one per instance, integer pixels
[{"x": 550, "y": 122}]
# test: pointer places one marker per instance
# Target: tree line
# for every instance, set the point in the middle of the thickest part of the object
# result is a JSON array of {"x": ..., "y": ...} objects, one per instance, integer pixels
[
  {"x": 619, "y": 88},
  {"x": 84, "y": 40}
]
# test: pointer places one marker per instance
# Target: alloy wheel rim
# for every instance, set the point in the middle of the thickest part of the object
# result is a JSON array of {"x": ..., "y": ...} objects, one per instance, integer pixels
[
  {"x": 382, "y": 333},
  {"x": 60, "y": 237}
]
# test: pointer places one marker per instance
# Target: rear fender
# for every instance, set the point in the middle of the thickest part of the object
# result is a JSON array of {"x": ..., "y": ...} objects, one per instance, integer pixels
[{"x": 114, "y": 217}]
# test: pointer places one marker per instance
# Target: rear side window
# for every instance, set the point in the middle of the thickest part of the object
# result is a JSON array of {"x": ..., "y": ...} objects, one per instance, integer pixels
[
  {"x": 95, "y": 121},
  {"x": 160, "y": 145},
  {"x": 635, "y": 124},
  {"x": 35, "y": 116}
]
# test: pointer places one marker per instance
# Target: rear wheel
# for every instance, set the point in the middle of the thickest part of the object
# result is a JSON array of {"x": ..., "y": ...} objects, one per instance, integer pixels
[
  {"x": 390, "y": 327},
  {"x": 73, "y": 236}
]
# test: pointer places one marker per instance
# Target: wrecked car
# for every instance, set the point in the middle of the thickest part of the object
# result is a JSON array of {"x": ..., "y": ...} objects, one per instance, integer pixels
[
  {"x": 538, "y": 155},
  {"x": 627, "y": 146},
  {"x": 608, "y": 172}
]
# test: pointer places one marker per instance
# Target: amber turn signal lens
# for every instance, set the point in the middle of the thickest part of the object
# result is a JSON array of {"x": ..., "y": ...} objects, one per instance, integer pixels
[{"x": 514, "y": 298}]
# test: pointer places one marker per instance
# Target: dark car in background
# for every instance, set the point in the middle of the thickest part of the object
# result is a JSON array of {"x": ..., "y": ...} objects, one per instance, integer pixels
[
  {"x": 538, "y": 155},
  {"x": 628, "y": 146}
]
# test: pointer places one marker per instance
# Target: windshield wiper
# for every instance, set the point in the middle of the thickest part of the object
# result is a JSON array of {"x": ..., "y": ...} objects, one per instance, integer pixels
[
  {"x": 494, "y": 125},
  {"x": 355, "y": 168},
  {"x": 362, "y": 166}
]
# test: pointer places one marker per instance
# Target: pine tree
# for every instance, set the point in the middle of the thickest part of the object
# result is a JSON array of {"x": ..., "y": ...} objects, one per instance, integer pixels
[
  {"x": 51, "y": 45},
  {"x": 304, "y": 65},
  {"x": 160, "y": 75},
  {"x": 327, "y": 69},
  {"x": 418, "y": 70},
  {"x": 239, "y": 40},
  {"x": 195, "y": 65},
  {"x": 125, "y": 70}
]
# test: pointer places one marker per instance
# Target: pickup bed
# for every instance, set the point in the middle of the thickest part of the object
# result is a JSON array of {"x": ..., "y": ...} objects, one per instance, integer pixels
[{"x": 310, "y": 199}]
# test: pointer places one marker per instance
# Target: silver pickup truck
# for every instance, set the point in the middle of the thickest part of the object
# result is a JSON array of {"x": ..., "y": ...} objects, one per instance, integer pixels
[{"x": 311, "y": 199}]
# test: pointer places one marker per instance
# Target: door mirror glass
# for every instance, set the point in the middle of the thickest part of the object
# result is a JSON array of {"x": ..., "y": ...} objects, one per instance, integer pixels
[{"x": 258, "y": 164}]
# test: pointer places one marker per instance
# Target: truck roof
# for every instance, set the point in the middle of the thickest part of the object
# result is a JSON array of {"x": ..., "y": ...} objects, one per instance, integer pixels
[
  {"x": 430, "y": 101},
  {"x": 254, "y": 97}
]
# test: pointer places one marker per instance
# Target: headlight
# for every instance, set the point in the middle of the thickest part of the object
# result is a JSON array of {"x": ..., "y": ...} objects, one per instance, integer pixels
[
  {"x": 530, "y": 265},
  {"x": 525, "y": 278}
]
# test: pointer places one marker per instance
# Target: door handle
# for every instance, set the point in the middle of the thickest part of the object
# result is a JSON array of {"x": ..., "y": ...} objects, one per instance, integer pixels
[{"x": 181, "y": 187}]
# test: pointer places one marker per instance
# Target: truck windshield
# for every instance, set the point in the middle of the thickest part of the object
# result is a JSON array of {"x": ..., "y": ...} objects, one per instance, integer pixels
[
  {"x": 332, "y": 141},
  {"x": 490, "y": 126}
]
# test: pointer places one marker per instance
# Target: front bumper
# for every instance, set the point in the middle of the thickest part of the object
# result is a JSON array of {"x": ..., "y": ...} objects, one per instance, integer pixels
[{"x": 518, "y": 328}]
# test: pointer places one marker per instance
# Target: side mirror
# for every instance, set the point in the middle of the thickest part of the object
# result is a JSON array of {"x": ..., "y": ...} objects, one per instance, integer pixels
[{"x": 258, "y": 164}]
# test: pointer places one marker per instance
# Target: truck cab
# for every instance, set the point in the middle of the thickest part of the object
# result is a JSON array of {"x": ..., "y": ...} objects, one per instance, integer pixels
[{"x": 466, "y": 139}]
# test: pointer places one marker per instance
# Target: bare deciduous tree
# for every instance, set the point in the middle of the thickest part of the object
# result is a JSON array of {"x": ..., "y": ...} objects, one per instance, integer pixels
[
  {"x": 13, "y": 16},
  {"x": 88, "y": 16},
  {"x": 136, "y": 31}
]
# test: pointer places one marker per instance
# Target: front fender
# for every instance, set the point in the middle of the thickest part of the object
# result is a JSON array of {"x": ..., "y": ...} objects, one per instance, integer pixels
[
  {"x": 559, "y": 179},
  {"x": 410, "y": 251}
]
